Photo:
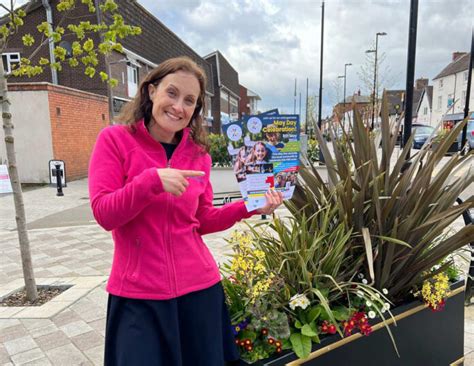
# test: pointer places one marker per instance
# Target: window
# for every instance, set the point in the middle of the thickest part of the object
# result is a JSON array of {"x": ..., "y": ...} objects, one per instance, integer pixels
[
  {"x": 463, "y": 98},
  {"x": 234, "y": 102},
  {"x": 132, "y": 78},
  {"x": 440, "y": 83},
  {"x": 450, "y": 100},
  {"x": 425, "y": 111},
  {"x": 440, "y": 102},
  {"x": 9, "y": 59}
]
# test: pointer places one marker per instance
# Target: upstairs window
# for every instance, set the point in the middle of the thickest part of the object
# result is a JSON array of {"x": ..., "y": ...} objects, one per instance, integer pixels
[
  {"x": 9, "y": 60},
  {"x": 440, "y": 83},
  {"x": 132, "y": 80}
]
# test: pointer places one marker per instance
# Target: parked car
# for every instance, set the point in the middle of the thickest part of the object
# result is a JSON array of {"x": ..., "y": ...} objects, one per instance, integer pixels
[{"x": 422, "y": 133}]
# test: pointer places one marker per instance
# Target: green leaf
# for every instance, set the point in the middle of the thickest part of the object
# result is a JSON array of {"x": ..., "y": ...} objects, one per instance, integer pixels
[
  {"x": 313, "y": 314},
  {"x": 298, "y": 324},
  {"x": 88, "y": 45},
  {"x": 28, "y": 40},
  {"x": 301, "y": 345},
  {"x": 308, "y": 331},
  {"x": 103, "y": 76}
]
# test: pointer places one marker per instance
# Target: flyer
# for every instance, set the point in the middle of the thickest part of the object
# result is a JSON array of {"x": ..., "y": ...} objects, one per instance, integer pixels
[{"x": 265, "y": 153}]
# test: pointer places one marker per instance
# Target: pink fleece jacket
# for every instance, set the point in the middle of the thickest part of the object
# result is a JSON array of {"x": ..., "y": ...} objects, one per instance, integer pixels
[{"x": 159, "y": 253}]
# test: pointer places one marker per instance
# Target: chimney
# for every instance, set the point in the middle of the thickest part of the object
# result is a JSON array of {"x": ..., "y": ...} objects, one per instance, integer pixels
[
  {"x": 358, "y": 92},
  {"x": 456, "y": 55},
  {"x": 421, "y": 83}
]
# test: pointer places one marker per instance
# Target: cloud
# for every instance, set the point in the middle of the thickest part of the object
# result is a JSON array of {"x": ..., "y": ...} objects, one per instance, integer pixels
[{"x": 270, "y": 43}]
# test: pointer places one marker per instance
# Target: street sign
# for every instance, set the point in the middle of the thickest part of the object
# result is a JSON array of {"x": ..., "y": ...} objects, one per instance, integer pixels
[{"x": 52, "y": 172}]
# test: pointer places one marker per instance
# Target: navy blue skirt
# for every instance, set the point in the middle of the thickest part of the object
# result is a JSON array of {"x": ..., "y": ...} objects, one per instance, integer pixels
[{"x": 191, "y": 330}]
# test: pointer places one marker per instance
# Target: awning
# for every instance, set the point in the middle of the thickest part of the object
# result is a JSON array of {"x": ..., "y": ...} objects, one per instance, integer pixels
[{"x": 453, "y": 117}]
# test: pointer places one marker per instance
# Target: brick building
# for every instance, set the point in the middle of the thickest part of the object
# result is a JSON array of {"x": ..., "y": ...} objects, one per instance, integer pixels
[
  {"x": 54, "y": 122},
  {"x": 141, "y": 53},
  {"x": 69, "y": 118},
  {"x": 225, "y": 103},
  {"x": 248, "y": 101}
]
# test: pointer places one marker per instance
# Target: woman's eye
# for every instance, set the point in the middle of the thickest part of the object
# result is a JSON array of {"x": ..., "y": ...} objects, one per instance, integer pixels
[
  {"x": 189, "y": 102},
  {"x": 171, "y": 93}
]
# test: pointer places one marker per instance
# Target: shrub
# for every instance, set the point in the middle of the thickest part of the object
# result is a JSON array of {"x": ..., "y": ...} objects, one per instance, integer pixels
[{"x": 218, "y": 151}]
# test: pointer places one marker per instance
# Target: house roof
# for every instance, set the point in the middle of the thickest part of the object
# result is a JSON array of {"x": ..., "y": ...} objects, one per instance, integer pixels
[
  {"x": 458, "y": 65},
  {"x": 417, "y": 94},
  {"x": 395, "y": 100},
  {"x": 157, "y": 42},
  {"x": 428, "y": 92},
  {"x": 356, "y": 98},
  {"x": 227, "y": 76}
]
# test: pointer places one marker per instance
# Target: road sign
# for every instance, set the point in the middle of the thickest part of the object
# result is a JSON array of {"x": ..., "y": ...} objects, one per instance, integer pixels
[{"x": 52, "y": 172}]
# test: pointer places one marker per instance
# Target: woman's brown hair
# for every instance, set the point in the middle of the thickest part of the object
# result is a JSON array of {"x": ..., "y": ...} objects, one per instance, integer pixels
[{"x": 141, "y": 106}]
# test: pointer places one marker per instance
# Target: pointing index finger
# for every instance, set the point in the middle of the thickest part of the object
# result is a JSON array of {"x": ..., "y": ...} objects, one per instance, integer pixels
[{"x": 192, "y": 173}]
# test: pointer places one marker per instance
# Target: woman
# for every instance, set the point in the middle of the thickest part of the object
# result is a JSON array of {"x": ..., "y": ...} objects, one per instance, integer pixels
[{"x": 149, "y": 184}]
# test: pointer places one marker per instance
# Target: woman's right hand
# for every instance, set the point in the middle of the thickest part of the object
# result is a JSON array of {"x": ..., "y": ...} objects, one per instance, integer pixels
[{"x": 175, "y": 181}]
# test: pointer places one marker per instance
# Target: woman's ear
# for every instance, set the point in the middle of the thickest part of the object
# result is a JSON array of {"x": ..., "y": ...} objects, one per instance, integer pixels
[{"x": 151, "y": 91}]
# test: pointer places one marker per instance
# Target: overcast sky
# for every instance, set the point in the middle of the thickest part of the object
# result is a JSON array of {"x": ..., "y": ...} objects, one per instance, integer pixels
[{"x": 272, "y": 42}]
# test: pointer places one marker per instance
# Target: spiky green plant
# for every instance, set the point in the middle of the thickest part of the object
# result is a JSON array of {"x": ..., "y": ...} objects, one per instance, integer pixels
[{"x": 397, "y": 213}]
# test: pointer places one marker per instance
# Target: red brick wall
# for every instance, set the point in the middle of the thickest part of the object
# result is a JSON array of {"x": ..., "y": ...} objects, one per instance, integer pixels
[
  {"x": 244, "y": 100},
  {"x": 76, "y": 119}
]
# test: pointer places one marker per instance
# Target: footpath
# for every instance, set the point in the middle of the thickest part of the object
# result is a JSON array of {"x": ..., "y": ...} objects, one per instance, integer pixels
[{"x": 69, "y": 248}]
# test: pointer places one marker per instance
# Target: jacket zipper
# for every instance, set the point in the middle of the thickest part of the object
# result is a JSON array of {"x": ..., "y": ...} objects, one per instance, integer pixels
[{"x": 173, "y": 269}]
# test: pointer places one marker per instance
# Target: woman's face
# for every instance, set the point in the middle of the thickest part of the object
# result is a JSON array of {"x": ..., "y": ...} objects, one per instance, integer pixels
[
  {"x": 260, "y": 152},
  {"x": 174, "y": 101}
]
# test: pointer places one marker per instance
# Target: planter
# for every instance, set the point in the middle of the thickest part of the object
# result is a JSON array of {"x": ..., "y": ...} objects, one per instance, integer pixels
[{"x": 423, "y": 337}]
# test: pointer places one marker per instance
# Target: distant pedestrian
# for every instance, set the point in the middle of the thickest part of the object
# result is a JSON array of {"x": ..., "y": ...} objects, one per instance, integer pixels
[{"x": 149, "y": 184}]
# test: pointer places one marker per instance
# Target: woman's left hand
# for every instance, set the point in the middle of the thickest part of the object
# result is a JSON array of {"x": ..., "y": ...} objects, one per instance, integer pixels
[{"x": 274, "y": 199}]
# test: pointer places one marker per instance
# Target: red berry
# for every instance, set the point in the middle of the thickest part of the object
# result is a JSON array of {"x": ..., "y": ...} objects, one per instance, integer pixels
[
  {"x": 278, "y": 350},
  {"x": 249, "y": 348},
  {"x": 248, "y": 342},
  {"x": 242, "y": 343},
  {"x": 264, "y": 331},
  {"x": 271, "y": 341},
  {"x": 324, "y": 328},
  {"x": 332, "y": 329},
  {"x": 237, "y": 341},
  {"x": 278, "y": 344}
]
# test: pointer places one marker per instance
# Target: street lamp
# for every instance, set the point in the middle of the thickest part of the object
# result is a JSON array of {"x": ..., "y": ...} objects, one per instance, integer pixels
[
  {"x": 344, "y": 96},
  {"x": 375, "y": 92},
  {"x": 344, "y": 105}
]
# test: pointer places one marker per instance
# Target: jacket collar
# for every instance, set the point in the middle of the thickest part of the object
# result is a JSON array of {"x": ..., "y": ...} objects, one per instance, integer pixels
[{"x": 150, "y": 141}]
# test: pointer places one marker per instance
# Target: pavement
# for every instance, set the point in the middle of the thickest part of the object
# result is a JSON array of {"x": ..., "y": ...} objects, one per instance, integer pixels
[{"x": 70, "y": 249}]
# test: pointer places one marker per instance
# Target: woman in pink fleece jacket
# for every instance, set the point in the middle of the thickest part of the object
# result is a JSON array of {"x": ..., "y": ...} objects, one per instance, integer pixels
[{"x": 149, "y": 185}]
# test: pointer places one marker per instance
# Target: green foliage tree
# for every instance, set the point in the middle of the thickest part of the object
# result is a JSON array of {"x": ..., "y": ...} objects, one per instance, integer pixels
[{"x": 85, "y": 52}]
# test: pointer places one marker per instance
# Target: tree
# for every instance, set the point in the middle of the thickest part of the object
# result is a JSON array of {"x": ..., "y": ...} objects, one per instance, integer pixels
[{"x": 84, "y": 52}]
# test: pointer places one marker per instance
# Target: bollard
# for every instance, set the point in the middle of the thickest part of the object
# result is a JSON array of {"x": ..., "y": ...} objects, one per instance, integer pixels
[{"x": 58, "y": 180}]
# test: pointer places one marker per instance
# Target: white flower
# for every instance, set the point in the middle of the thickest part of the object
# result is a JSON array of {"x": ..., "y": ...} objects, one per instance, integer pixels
[
  {"x": 364, "y": 281},
  {"x": 360, "y": 275},
  {"x": 383, "y": 310},
  {"x": 371, "y": 314},
  {"x": 299, "y": 300},
  {"x": 360, "y": 293},
  {"x": 378, "y": 295},
  {"x": 385, "y": 291},
  {"x": 386, "y": 306},
  {"x": 368, "y": 303}
]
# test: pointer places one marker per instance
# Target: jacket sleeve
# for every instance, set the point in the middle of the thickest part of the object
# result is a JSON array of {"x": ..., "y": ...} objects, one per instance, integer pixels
[
  {"x": 114, "y": 202},
  {"x": 213, "y": 219}
]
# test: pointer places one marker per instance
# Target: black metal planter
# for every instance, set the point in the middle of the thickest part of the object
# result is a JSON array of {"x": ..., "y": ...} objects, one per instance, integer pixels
[{"x": 423, "y": 337}]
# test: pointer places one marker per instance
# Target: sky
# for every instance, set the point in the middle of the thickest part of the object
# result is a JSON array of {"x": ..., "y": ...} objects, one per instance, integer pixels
[{"x": 272, "y": 42}]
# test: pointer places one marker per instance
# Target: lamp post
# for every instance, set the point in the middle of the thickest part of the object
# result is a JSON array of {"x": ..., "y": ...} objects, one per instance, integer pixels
[
  {"x": 344, "y": 100},
  {"x": 344, "y": 97},
  {"x": 375, "y": 92}
]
